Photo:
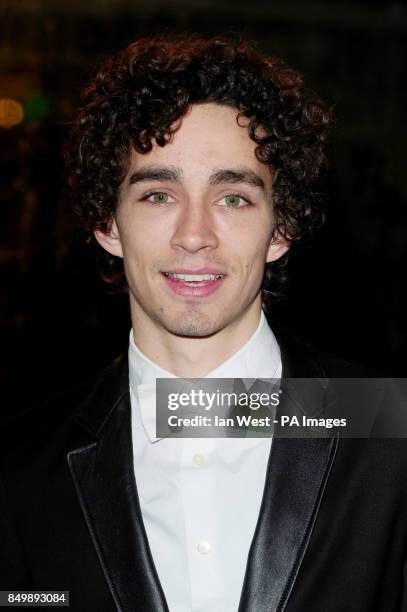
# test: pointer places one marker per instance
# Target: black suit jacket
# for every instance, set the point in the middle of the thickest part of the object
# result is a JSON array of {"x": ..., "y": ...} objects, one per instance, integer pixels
[{"x": 331, "y": 533}]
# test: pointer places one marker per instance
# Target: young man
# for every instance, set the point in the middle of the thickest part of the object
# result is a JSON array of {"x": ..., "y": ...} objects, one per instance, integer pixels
[{"x": 195, "y": 165}]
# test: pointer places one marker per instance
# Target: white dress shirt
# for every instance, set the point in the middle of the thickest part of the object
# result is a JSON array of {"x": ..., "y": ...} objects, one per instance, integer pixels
[{"x": 200, "y": 497}]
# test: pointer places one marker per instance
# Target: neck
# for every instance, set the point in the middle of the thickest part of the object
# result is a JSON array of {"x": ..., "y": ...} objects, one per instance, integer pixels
[{"x": 187, "y": 357}]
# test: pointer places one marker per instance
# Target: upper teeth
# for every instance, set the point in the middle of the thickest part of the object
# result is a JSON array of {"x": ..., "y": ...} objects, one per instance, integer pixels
[{"x": 194, "y": 277}]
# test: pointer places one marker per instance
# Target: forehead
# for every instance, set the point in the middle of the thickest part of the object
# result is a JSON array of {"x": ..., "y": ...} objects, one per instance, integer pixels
[{"x": 208, "y": 136}]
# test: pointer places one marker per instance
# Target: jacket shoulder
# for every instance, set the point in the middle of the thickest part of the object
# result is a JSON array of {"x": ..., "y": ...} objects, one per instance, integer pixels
[
  {"x": 303, "y": 360},
  {"x": 335, "y": 367},
  {"x": 51, "y": 423}
]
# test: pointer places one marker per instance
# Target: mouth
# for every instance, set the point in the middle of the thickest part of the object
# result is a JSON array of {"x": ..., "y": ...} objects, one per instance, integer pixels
[
  {"x": 194, "y": 284},
  {"x": 194, "y": 280}
]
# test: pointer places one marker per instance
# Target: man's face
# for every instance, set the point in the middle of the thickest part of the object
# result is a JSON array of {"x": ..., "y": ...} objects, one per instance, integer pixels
[{"x": 194, "y": 226}]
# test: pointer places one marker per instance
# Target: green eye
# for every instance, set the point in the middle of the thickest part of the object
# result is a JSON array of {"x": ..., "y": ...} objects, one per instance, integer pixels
[
  {"x": 233, "y": 200},
  {"x": 160, "y": 197}
]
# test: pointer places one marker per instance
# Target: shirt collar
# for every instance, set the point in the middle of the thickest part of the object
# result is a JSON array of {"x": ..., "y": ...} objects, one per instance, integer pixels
[{"x": 258, "y": 358}]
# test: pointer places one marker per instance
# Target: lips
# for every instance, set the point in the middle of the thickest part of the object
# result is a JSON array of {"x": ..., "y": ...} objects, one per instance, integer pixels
[
  {"x": 194, "y": 280},
  {"x": 198, "y": 283}
]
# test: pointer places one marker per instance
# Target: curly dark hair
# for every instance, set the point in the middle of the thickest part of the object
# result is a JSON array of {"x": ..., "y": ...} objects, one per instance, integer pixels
[{"x": 138, "y": 95}]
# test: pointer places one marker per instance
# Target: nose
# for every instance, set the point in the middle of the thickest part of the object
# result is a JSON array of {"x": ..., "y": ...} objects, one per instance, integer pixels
[{"x": 195, "y": 230}]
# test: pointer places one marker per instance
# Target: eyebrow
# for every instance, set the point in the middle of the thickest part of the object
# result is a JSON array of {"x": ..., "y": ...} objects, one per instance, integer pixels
[
  {"x": 243, "y": 175},
  {"x": 156, "y": 173},
  {"x": 175, "y": 175}
]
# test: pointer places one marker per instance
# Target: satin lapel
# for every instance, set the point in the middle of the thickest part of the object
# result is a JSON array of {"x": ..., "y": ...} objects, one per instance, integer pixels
[
  {"x": 296, "y": 476},
  {"x": 104, "y": 480},
  {"x": 297, "y": 472}
]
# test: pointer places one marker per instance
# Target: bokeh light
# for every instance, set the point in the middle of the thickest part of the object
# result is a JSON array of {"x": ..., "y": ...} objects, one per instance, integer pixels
[{"x": 11, "y": 113}]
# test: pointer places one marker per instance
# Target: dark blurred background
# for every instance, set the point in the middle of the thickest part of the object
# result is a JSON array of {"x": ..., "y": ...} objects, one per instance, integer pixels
[{"x": 58, "y": 322}]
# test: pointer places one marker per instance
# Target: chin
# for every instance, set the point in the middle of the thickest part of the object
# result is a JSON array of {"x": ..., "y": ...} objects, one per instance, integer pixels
[{"x": 192, "y": 325}]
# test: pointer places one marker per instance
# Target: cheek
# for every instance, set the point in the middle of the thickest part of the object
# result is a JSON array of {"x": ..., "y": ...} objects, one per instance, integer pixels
[
  {"x": 254, "y": 253},
  {"x": 146, "y": 234},
  {"x": 135, "y": 235},
  {"x": 131, "y": 247}
]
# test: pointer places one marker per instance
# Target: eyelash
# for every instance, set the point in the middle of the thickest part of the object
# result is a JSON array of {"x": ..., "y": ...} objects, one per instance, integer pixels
[
  {"x": 152, "y": 193},
  {"x": 237, "y": 195}
]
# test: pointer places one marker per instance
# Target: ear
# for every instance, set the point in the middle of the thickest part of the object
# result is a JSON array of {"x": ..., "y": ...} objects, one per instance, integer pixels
[
  {"x": 278, "y": 246},
  {"x": 110, "y": 239}
]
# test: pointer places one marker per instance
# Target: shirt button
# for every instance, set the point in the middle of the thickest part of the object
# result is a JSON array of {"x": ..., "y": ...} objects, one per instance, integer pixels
[
  {"x": 204, "y": 548},
  {"x": 198, "y": 460}
]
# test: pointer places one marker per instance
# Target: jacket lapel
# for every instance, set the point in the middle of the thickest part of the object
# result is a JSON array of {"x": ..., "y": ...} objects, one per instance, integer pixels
[
  {"x": 296, "y": 476},
  {"x": 297, "y": 473},
  {"x": 103, "y": 475}
]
